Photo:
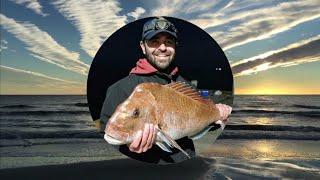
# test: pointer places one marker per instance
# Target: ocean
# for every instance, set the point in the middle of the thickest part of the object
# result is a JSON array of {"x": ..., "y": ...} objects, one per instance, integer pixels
[{"x": 270, "y": 134}]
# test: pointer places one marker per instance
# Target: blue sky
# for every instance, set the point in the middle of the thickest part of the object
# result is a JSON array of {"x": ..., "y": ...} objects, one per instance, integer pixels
[{"x": 47, "y": 46}]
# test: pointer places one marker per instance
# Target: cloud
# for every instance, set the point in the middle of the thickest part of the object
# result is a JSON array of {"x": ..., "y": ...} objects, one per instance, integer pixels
[
  {"x": 181, "y": 8},
  {"x": 137, "y": 13},
  {"x": 34, "y": 5},
  {"x": 18, "y": 81},
  {"x": 95, "y": 20},
  {"x": 4, "y": 41},
  {"x": 36, "y": 74},
  {"x": 243, "y": 25},
  {"x": 3, "y": 45},
  {"x": 43, "y": 46},
  {"x": 237, "y": 22},
  {"x": 294, "y": 54}
]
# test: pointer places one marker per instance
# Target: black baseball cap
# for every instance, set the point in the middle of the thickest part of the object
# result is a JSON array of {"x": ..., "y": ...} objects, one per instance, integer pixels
[{"x": 158, "y": 25}]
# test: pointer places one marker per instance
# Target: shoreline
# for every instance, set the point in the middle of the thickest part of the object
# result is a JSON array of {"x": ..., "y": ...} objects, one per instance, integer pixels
[
  {"x": 222, "y": 160},
  {"x": 196, "y": 168},
  {"x": 66, "y": 151}
]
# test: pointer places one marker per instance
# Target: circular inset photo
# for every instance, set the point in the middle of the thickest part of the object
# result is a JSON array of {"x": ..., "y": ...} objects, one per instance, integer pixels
[{"x": 156, "y": 86}]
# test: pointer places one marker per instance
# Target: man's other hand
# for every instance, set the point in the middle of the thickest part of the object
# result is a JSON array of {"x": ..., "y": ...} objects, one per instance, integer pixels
[
  {"x": 144, "y": 140},
  {"x": 224, "y": 110}
]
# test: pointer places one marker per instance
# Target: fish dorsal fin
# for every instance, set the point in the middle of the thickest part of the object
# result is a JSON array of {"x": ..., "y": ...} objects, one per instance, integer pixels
[{"x": 187, "y": 90}]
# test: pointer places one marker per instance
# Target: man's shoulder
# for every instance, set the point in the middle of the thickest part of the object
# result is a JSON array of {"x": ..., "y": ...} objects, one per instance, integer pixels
[{"x": 129, "y": 82}]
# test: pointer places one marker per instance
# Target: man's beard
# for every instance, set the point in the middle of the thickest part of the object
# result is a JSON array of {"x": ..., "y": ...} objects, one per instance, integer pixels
[{"x": 159, "y": 65}]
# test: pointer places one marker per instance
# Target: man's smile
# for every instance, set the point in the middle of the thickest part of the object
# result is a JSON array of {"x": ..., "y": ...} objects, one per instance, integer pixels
[{"x": 162, "y": 55}]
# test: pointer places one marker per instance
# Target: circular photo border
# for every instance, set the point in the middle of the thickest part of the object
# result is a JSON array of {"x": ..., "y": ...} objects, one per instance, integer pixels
[{"x": 199, "y": 58}]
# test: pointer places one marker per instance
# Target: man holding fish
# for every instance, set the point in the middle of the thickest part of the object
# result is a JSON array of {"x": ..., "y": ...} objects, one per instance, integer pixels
[{"x": 154, "y": 105}]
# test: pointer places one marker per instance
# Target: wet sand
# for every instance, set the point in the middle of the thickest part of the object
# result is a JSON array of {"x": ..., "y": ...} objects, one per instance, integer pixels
[
  {"x": 112, "y": 169},
  {"x": 197, "y": 168},
  {"x": 226, "y": 158}
]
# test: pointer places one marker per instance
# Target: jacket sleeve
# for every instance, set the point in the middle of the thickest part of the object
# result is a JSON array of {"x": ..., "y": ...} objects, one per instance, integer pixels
[{"x": 114, "y": 97}]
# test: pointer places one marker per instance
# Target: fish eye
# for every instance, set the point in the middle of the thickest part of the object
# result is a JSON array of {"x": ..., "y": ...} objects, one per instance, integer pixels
[{"x": 136, "y": 113}]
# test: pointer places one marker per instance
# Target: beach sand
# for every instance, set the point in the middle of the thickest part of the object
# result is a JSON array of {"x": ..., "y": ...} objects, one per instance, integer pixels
[
  {"x": 110, "y": 169},
  {"x": 226, "y": 158}
]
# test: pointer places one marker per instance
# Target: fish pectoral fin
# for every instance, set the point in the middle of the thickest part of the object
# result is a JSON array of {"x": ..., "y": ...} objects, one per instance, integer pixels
[
  {"x": 222, "y": 123},
  {"x": 164, "y": 146},
  {"x": 164, "y": 139},
  {"x": 201, "y": 133},
  {"x": 170, "y": 142}
]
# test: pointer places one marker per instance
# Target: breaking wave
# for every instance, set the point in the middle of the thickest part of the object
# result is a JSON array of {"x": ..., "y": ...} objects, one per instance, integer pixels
[
  {"x": 43, "y": 113},
  {"x": 284, "y": 135},
  {"x": 273, "y": 128},
  {"x": 54, "y": 134},
  {"x": 82, "y": 104},
  {"x": 305, "y": 106},
  {"x": 267, "y": 112},
  {"x": 17, "y": 106}
]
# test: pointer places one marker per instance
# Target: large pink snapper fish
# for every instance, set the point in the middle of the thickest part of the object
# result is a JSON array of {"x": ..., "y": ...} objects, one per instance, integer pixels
[{"x": 177, "y": 109}]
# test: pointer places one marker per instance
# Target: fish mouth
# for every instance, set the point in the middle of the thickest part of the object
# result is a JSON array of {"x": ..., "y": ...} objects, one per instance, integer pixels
[{"x": 112, "y": 140}]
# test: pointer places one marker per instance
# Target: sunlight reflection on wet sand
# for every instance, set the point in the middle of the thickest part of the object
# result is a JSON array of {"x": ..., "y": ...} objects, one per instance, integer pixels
[{"x": 260, "y": 149}]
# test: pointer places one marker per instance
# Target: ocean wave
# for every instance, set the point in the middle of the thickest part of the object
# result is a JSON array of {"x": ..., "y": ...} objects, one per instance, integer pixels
[
  {"x": 41, "y": 120},
  {"x": 305, "y": 106},
  {"x": 43, "y": 113},
  {"x": 231, "y": 132},
  {"x": 265, "y": 103},
  {"x": 283, "y": 135},
  {"x": 52, "y": 134},
  {"x": 273, "y": 128},
  {"x": 44, "y": 141},
  {"x": 81, "y": 104},
  {"x": 297, "y": 113},
  {"x": 42, "y": 125},
  {"x": 17, "y": 106},
  {"x": 256, "y": 104}
]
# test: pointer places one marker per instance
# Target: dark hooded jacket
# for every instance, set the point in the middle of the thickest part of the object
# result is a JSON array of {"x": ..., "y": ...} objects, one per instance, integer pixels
[{"x": 121, "y": 90}]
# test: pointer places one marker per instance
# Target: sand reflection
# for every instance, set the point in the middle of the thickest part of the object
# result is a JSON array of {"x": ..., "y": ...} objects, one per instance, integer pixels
[{"x": 259, "y": 149}]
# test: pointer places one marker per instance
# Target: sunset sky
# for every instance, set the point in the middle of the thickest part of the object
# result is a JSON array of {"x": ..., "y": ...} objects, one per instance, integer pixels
[{"x": 272, "y": 46}]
